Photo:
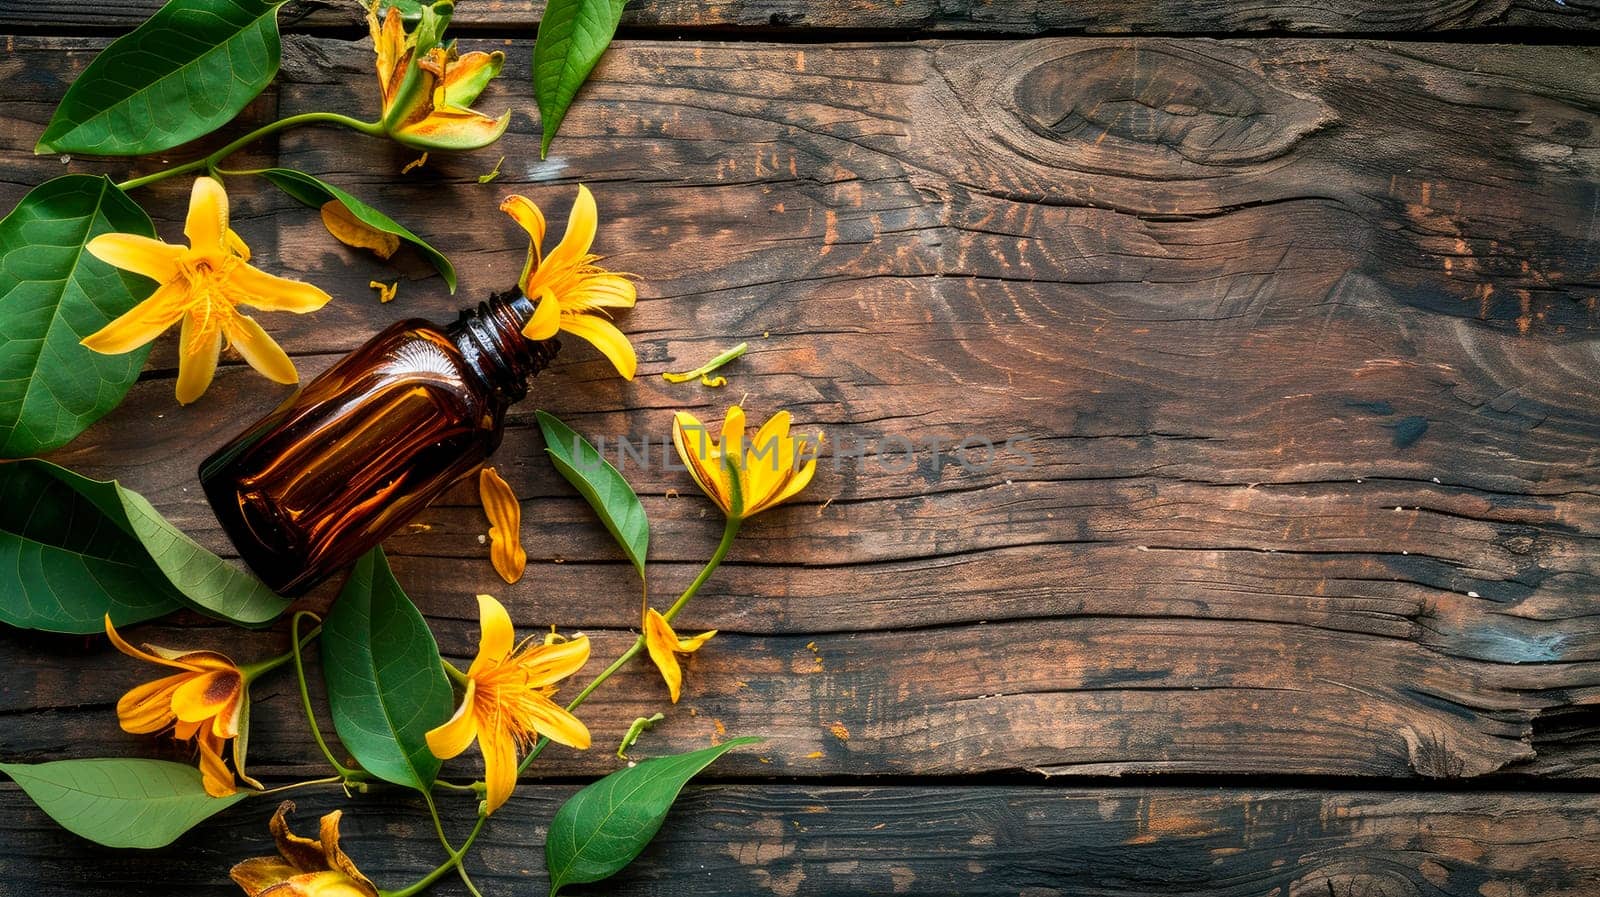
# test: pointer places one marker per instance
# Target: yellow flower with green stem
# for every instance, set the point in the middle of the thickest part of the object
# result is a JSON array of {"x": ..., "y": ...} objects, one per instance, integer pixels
[
  {"x": 427, "y": 90},
  {"x": 506, "y": 704},
  {"x": 202, "y": 285}
]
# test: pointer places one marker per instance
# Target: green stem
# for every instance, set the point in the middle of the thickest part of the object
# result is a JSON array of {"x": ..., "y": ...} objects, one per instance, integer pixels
[
  {"x": 209, "y": 163},
  {"x": 729, "y": 531},
  {"x": 443, "y": 869},
  {"x": 345, "y": 772},
  {"x": 330, "y": 780},
  {"x": 438, "y": 827},
  {"x": 254, "y": 671}
]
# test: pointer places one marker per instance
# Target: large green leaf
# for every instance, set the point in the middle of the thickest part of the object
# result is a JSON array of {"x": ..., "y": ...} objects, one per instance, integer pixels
[
  {"x": 121, "y": 802},
  {"x": 600, "y": 483},
  {"x": 53, "y": 294},
  {"x": 599, "y": 830},
  {"x": 73, "y": 549},
  {"x": 315, "y": 193},
  {"x": 572, "y": 36},
  {"x": 386, "y": 682},
  {"x": 185, "y": 72}
]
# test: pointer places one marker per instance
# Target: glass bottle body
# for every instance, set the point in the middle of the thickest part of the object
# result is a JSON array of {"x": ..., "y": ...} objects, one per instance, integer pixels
[{"x": 370, "y": 442}]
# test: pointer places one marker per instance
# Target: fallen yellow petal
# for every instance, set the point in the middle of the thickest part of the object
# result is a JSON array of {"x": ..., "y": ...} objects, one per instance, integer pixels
[
  {"x": 352, "y": 231},
  {"x": 414, "y": 164},
  {"x": 386, "y": 291},
  {"x": 505, "y": 525}
]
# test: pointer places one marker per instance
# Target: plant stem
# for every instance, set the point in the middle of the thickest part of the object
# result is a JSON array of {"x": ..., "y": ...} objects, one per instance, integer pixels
[
  {"x": 330, "y": 780},
  {"x": 209, "y": 163},
  {"x": 438, "y": 827},
  {"x": 443, "y": 869},
  {"x": 729, "y": 531},
  {"x": 345, "y": 772}
]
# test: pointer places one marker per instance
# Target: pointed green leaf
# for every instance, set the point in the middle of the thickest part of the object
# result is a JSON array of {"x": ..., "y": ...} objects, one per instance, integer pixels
[
  {"x": 121, "y": 802},
  {"x": 185, "y": 72},
  {"x": 603, "y": 827},
  {"x": 601, "y": 485},
  {"x": 53, "y": 294},
  {"x": 386, "y": 682},
  {"x": 73, "y": 549},
  {"x": 572, "y": 36},
  {"x": 315, "y": 193}
]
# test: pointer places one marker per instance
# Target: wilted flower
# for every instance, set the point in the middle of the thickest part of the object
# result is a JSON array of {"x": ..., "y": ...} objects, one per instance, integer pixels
[
  {"x": 428, "y": 89},
  {"x": 203, "y": 286},
  {"x": 305, "y": 868},
  {"x": 571, "y": 293},
  {"x": 507, "y": 703},
  {"x": 772, "y": 468}
]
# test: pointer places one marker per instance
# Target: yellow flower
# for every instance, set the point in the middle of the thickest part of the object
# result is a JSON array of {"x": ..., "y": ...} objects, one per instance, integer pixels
[
  {"x": 772, "y": 468},
  {"x": 665, "y": 646},
  {"x": 505, "y": 525},
  {"x": 203, "y": 702},
  {"x": 507, "y": 703},
  {"x": 426, "y": 105},
  {"x": 202, "y": 285},
  {"x": 571, "y": 292},
  {"x": 306, "y": 868}
]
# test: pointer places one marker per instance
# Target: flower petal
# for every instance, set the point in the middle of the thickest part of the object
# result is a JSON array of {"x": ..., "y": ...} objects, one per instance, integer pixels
[
  {"x": 147, "y": 709},
  {"x": 252, "y": 286},
  {"x": 602, "y": 289},
  {"x": 236, "y": 245},
  {"x": 197, "y": 360},
  {"x": 526, "y": 213},
  {"x": 453, "y": 129},
  {"x": 302, "y": 853},
  {"x": 263, "y": 353},
  {"x": 142, "y": 323},
  {"x": 556, "y": 723},
  {"x": 337, "y": 859},
  {"x": 121, "y": 645},
  {"x": 257, "y": 874},
  {"x": 352, "y": 231},
  {"x": 546, "y": 320},
  {"x": 799, "y": 481},
  {"x": 545, "y": 665},
  {"x": 207, "y": 224},
  {"x": 497, "y": 634},
  {"x": 582, "y": 223},
  {"x": 505, "y": 525},
  {"x": 139, "y": 254},
  {"x": 213, "y": 772},
  {"x": 206, "y": 695},
  {"x": 660, "y": 640},
  {"x": 499, "y": 766},
  {"x": 606, "y": 337},
  {"x": 456, "y": 735},
  {"x": 466, "y": 77},
  {"x": 389, "y": 44},
  {"x": 699, "y": 455}
]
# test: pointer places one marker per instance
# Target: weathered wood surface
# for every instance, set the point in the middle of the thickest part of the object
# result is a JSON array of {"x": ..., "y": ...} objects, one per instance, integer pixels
[
  {"x": 844, "y": 841},
  {"x": 1019, "y": 17},
  {"x": 1220, "y": 286}
]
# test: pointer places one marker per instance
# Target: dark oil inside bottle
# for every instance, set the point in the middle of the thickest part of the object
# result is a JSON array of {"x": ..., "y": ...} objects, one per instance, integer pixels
[{"x": 370, "y": 442}]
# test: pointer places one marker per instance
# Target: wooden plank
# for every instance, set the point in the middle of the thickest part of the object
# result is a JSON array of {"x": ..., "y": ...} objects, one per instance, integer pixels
[
  {"x": 1220, "y": 286},
  {"x": 1036, "y": 841},
  {"x": 1017, "y": 17}
]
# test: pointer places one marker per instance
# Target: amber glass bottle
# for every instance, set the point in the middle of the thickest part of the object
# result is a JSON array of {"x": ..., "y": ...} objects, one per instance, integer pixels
[{"x": 362, "y": 448}]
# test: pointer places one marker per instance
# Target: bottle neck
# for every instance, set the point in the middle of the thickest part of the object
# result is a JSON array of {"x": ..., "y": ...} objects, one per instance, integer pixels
[{"x": 490, "y": 339}]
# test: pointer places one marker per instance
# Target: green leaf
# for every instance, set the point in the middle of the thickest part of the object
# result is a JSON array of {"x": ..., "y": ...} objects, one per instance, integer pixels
[
  {"x": 53, "y": 294},
  {"x": 185, "y": 72},
  {"x": 572, "y": 36},
  {"x": 601, "y": 485},
  {"x": 73, "y": 549},
  {"x": 386, "y": 682},
  {"x": 315, "y": 193},
  {"x": 603, "y": 827},
  {"x": 121, "y": 802}
]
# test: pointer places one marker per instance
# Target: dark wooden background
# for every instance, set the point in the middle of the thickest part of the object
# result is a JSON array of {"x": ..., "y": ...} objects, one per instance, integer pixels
[{"x": 1295, "y": 304}]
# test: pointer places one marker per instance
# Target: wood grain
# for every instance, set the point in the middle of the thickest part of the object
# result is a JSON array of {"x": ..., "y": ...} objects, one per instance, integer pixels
[
  {"x": 1036, "y": 841},
  {"x": 1300, "y": 334},
  {"x": 825, "y": 18}
]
